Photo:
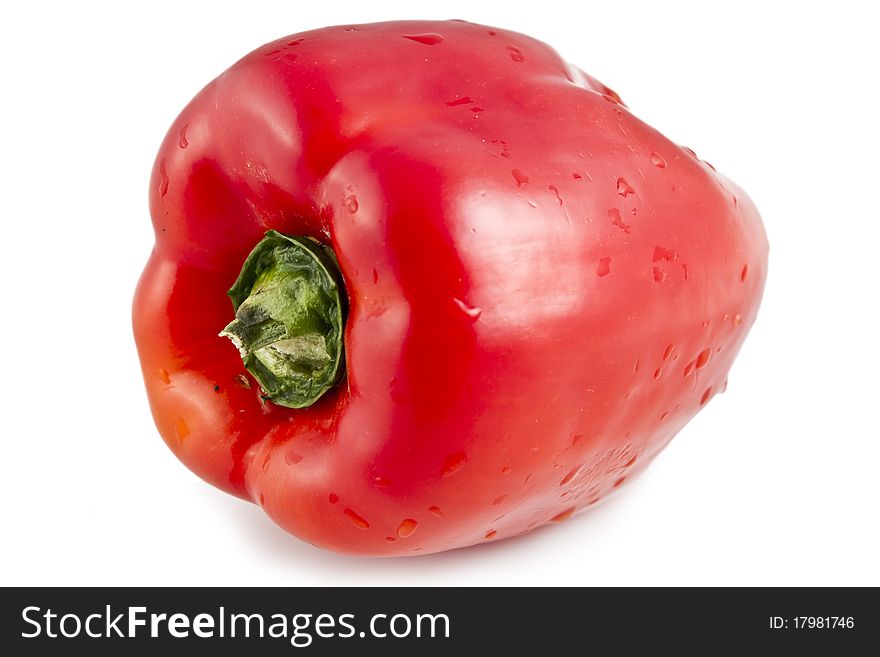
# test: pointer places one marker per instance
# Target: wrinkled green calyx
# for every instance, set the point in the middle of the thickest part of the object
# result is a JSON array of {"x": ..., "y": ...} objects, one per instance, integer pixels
[{"x": 289, "y": 306}]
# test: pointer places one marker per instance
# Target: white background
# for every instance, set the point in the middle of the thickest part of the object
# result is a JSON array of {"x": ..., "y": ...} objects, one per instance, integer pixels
[{"x": 776, "y": 482}]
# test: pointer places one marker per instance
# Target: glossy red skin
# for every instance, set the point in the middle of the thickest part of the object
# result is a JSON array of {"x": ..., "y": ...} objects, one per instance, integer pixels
[{"x": 495, "y": 380}]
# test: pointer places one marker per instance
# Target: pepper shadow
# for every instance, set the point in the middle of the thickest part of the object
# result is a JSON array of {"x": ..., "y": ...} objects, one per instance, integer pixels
[{"x": 284, "y": 550}]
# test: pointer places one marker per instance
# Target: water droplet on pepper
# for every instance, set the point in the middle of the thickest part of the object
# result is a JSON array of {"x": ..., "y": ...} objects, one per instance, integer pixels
[
  {"x": 520, "y": 178},
  {"x": 427, "y": 38},
  {"x": 563, "y": 516},
  {"x": 454, "y": 463},
  {"x": 407, "y": 527},
  {"x": 357, "y": 520}
]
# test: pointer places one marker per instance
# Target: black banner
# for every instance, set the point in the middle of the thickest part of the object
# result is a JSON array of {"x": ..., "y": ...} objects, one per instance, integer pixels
[{"x": 334, "y": 621}]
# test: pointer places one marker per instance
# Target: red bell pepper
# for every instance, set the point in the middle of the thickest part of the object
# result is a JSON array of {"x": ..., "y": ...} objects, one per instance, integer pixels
[{"x": 472, "y": 294}]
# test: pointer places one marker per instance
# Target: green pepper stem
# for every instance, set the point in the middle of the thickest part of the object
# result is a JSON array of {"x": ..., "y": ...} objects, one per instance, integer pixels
[{"x": 289, "y": 306}]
